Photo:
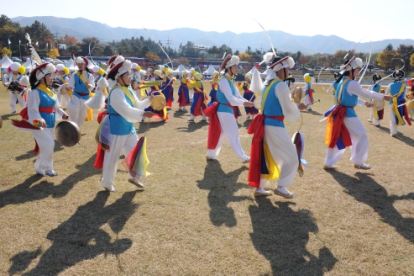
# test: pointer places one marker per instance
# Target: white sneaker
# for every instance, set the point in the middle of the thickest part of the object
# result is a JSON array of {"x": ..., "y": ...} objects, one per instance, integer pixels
[
  {"x": 246, "y": 160},
  {"x": 51, "y": 173},
  {"x": 135, "y": 181},
  {"x": 39, "y": 172}
]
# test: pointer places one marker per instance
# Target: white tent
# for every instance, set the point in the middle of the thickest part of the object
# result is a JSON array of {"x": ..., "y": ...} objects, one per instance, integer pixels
[
  {"x": 5, "y": 62},
  {"x": 179, "y": 70},
  {"x": 29, "y": 64},
  {"x": 210, "y": 70}
]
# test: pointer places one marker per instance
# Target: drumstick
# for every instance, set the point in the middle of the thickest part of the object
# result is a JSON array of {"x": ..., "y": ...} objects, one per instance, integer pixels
[{"x": 406, "y": 103}]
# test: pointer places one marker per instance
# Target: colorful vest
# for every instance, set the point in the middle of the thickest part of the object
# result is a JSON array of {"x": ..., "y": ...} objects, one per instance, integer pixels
[
  {"x": 344, "y": 99},
  {"x": 117, "y": 123},
  {"x": 47, "y": 101},
  {"x": 80, "y": 89},
  {"x": 222, "y": 100},
  {"x": 271, "y": 104}
]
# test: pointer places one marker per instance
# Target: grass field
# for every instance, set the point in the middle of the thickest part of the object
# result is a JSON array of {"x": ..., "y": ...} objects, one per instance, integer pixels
[{"x": 199, "y": 218}]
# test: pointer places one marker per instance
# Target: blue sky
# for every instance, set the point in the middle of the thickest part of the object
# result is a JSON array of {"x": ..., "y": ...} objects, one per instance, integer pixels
[{"x": 352, "y": 20}]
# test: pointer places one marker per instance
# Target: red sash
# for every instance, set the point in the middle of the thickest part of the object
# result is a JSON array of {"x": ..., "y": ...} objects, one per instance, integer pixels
[
  {"x": 339, "y": 129},
  {"x": 25, "y": 114},
  {"x": 214, "y": 128},
  {"x": 310, "y": 95},
  {"x": 256, "y": 128}
]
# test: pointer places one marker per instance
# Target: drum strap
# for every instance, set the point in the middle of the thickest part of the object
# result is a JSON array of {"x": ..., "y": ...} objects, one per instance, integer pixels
[{"x": 127, "y": 93}]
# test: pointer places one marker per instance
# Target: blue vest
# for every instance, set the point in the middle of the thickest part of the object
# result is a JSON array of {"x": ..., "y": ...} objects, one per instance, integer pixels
[
  {"x": 46, "y": 101},
  {"x": 117, "y": 123},
  {"x": 222, "y": 100},
  {"x": 80, "y": 87},
  {"x": 346, "y": 99},
  {"x": 394, "y": 89},
  {"x": 272, "y": 106},
  {"x": 308, "y": 87}
]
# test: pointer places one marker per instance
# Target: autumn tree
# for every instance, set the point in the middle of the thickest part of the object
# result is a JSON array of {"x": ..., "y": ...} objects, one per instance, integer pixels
[
  {"x": 70, "y": 40},
  {"x": 6, "y": 51},
  {"x": 152, "y": 57},
  {"x": 53, "y": 53},
  {"x": 304, "y": 60},
  {"x": 385, "y": 59},
  {"x": 405, "y": 51},
  {"x": 183, "y": 60},
  {"x": 412, "y": 60},
  {"x": 245, "y": 57}
]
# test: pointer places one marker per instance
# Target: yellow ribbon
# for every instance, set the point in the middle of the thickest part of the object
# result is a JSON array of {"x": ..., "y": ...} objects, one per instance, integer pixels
[
  {"x": 126, "y": 92},
  {"x": 395, "y": 105},
  {"x": 82, "y": 78}
]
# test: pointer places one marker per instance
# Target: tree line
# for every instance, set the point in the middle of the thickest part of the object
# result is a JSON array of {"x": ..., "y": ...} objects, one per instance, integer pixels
[{"x": 47, "y": 45}]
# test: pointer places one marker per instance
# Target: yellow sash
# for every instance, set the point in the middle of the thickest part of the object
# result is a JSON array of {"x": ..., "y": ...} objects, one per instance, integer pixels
[
  {"x": 82, "y": 78},
  {"x": 126, "y": 92},
  {"x": 395, "y": 105},
  {"x": 47, "y": 90}
]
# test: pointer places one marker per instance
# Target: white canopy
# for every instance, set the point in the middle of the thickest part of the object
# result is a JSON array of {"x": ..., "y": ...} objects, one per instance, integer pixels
[
  {"x": 179, "y": 70},
  {"x": 29, "y": 64},
  {"x": 210, "y": 70},
  {"x": 5, "y": 62}
]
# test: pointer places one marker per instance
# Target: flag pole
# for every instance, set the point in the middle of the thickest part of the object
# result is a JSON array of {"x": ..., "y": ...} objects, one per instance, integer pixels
[{"x": 20, "y": 51}]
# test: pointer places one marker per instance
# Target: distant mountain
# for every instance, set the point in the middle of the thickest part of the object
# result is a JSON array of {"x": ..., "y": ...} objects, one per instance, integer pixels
[{"x": 81, "y": 28}]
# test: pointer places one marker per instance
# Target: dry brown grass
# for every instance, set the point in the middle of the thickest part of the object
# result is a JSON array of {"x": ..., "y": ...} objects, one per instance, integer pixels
[{"x": 198, "y": 218}]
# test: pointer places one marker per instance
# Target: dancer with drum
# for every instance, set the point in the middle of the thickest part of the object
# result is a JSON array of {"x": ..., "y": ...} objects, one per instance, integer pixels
[
  {"x": 398, "y": 114},
  {"x": 82, "y": 82},
  {"x": 307, "y": 88},
  {"x": 15, "y": 87},
  {"x": 199, "y": 102},
  {"x": 39, "y": 117},
  {"x": 155, "y": 90},
  {"x": 377, "y": 110},
  {"x": 214, "y": 86},
  {"x": 124, "y": 109},
  {"x": 344, "y": 128},
  {"x": 183, "y": 94},
  {"x": 222, "y": 114},
  {"x": 167, "y": 87},
  {"x": 271, "y": 139}
]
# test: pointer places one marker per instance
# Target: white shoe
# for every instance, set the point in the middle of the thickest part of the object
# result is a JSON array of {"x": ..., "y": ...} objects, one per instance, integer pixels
[
  {"x": 246, "y": 160},
  {"x": 262, "y": 192},
  {"x": 42, "y": 173},
  {"x": 135, "y": 181},
  {"x": 285, "y": 193},
  {"x": 51, "y": 173},
  {"x": 363, "y": 167},
  {"x": 111, "y": 189}
]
